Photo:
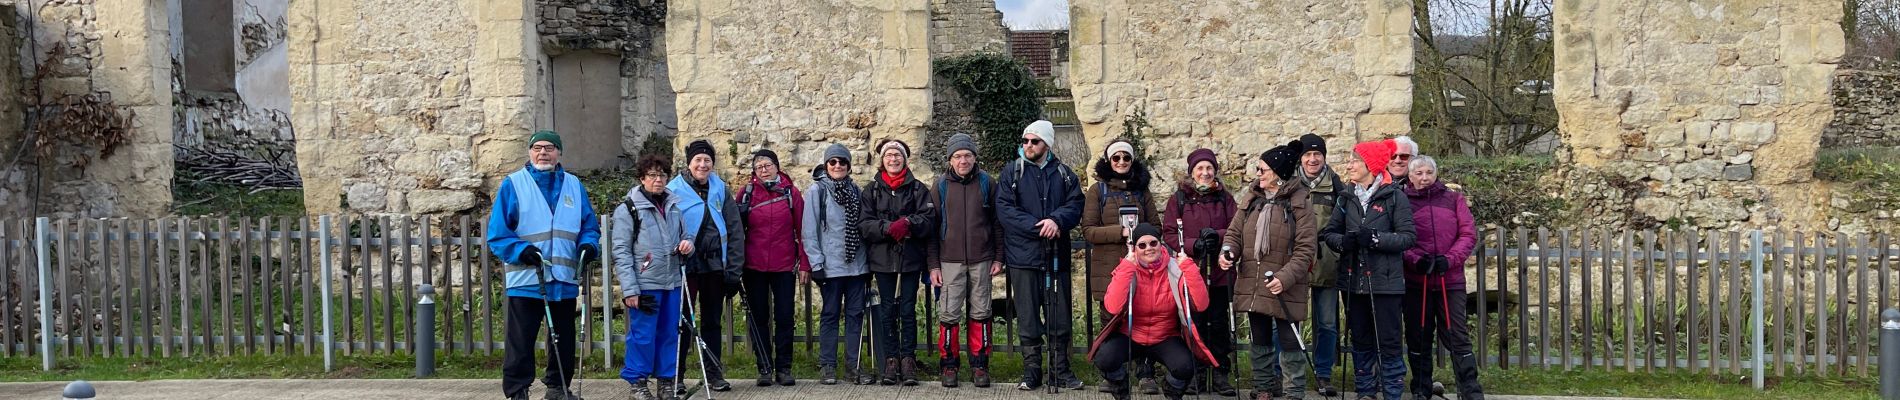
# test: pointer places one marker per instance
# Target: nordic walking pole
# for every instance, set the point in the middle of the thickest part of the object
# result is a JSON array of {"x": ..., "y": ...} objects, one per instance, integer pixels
[
  {"x": 1048, "y": 283},
  {"x": 547, "y": 314},
  {"x": 688, "y": 325}
]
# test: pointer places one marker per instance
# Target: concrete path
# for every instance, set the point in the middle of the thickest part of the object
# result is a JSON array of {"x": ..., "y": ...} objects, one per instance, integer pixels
[{"x": 365, "y": 389}]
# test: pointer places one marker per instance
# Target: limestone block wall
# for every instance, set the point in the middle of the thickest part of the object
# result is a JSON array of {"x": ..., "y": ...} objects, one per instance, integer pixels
[
  {"x": 422, "y": 119},
  {"x": 631, "y": 32},
  {"x": 117, "y": 47},
  {"x": 1240, "y": 76},
  {"x": 967, "y": 26},
  {"x": 1712, "y": 110},
  {"x": 1866, "y": 109},
  {"x": 757, "y": 74}
]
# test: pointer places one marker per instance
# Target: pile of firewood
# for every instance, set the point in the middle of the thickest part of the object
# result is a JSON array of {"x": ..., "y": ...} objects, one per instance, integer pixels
[{"x": 227, "y": 167}]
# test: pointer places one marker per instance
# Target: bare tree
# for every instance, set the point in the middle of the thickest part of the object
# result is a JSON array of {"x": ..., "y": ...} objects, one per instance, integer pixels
[
  {"x": 1484, "y": 77},
  {"x": 1873, "y": 31}
]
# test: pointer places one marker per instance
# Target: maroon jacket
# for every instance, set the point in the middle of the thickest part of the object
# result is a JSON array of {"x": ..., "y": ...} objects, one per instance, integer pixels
[
  {"x": 1195, "y": 211},
  {"x": 1444, "y": 228},
  {"x": 772, "y": 218}
]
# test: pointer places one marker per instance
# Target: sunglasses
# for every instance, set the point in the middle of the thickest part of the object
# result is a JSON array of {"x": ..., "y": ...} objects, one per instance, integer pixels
[
  {"x": 836, "y": 162},
  {"x": 1147, "y": 245},
  {"x": 1120, "y": 158},
  {"x": 1402, "y": 157},
  {"x": 1032, "y": 141}
]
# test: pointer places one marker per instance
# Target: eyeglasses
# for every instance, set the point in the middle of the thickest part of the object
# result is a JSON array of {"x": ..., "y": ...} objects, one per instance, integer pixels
[
  {"x": 544, "y": 147},
  {"x": 654, "y": 176},
  {"x": 765, "y": 165},
  {"x": 836, "y": 162},
  {"x": 1121, "y": 158},
  {"x": 1144, "y": 245},
  {"x": 1032, "y": 141}
]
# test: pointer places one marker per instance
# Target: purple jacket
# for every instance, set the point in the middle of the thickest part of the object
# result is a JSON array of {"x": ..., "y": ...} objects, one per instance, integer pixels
[{"x": 1444, "y": 228}]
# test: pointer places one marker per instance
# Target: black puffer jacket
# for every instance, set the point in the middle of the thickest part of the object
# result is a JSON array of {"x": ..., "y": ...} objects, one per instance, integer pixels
[
  {"x": 884, "y": 205},
  {"x": 1029, "y": 193},
  {"x": 1379, "y": 269}
]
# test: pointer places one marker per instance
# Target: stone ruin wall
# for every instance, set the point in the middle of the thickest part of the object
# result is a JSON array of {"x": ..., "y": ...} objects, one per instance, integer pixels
[
  {"x": 1703, "y": 114},
  {"x": 419, "y": 120},
  {"x": 107, "y": 46},
  {"x": 753, "y": 74},
  {"x": 1239, "y": 77}
]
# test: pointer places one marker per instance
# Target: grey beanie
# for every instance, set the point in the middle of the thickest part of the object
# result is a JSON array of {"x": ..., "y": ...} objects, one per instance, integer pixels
[
  {"x": 959, "y": 141},
  {"x": 837, "y": 151}
]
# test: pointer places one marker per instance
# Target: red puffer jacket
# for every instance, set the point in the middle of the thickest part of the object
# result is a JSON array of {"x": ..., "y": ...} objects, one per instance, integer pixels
[
  {"x": 772, "y": 219},
  {"x": 1157, "y": 315}
]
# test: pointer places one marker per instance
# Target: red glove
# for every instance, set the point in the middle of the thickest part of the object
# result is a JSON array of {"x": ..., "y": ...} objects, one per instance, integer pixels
[{"x": 900, "y": 229}]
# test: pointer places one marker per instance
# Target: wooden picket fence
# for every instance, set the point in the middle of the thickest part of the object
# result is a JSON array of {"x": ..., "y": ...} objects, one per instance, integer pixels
[{"x": 1564, "y": 299}]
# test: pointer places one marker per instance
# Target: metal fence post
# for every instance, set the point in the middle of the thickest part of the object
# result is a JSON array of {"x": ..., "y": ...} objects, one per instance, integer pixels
[
  {"x": 1757, "y": 339},
  {"x": 329, "y": 341},
  {"x": 1890, "y": 354},
  {"x": 425, "y": 332},
  {"x": 40, "y": 226}
]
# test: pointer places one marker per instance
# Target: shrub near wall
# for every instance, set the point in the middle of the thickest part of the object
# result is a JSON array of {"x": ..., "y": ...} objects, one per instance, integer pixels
[{"x": 1505, "y": 191}]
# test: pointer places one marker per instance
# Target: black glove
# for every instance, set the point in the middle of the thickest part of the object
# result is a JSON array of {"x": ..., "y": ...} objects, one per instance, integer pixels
[
  {"x": 1365, "y": 239},
  {"x": 646, "y": 303},
  {"x": 530, "y": 256},
  {"x": 589, "y": 254},
  {"x": 1207, "y": 244},
  {"x": 1348, "y": 242},
  {"x": 1437, "y": 264}
]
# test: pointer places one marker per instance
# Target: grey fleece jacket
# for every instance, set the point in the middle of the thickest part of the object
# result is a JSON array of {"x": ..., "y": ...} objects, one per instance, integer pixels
[{"x": 647, "y": 260}]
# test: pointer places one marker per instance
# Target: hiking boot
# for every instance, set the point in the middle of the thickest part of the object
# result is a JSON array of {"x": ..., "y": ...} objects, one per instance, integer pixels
[
  {"x": 719, "y": 384},
  {"x": 560, "y": 393},
  {"x": 890, "y": 375},
  {"x": 907, "y": 371},
  {"x": 519, "y": 396},
  {"x": 765, "y": 378},
  {"x": 861, "y": 377},
  {"x": 785, "y": 377},
  {"x": 1222, "y": 385},
  {"x": 949, "y": 377},
  {"x": 1148, "y": 386},
  {"x": 979, "y": 377},
  {"x": 641, "y": 391},
  {"x": 1118, "y": 389},
  {"x": 1070, "y": 383},
  {"x": 1173, "y": 392},
  {"x": 667, "y": 390},
  {"x": 1326, "y": 388},
  {"x": 828, "y": 375}
]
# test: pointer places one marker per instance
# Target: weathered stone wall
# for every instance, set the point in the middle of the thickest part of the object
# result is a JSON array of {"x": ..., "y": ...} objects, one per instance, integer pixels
[
  {"x": 1240, "y": 76},
  {"x": 117, "y": 47},
  {"x": 1866, "y": 109},
  {"x": 632, "y": 31},
  {"x": 1706, "y": 114},
  {"x": 423, "y": 119},
  {"x": 960, "y": 27},
  {"x": 756, "y": 74},
  {"x": 254, "y": 118}
]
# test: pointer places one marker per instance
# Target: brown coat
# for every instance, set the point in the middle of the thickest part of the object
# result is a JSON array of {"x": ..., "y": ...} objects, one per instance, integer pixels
[
  {"x": 1289, "y": 251},
  {"x": 1101, "y": 227}
]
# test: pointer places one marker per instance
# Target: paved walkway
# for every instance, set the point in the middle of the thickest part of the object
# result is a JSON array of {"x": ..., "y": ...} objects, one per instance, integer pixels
[{"x": 490, "y": 389}]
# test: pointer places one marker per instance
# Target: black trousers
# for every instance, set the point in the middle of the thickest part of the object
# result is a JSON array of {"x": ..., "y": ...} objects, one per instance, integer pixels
[
  {"x": 523, "y": 327},
  {"x": 896, "y": 314},
  {"x": 768, "y": 297},
  {"x": 1113, "y": 355},
  {"x": 1217, "y": 330},
  {"x": 1439, "y": 314},
  {"x": 709, "y": 293}
]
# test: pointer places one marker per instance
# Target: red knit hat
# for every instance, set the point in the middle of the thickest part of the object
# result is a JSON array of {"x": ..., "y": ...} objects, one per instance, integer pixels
[{"x": 1377, "y": 154}]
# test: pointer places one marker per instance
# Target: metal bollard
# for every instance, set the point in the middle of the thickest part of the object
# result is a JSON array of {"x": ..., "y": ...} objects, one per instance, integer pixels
[
  {"x": 78, "y": 390},
  {"x": 1890, "y": 354},
  {"x": 425, "y": 332}
]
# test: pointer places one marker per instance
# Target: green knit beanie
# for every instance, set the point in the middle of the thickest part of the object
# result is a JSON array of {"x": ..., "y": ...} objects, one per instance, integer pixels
[{"x": 548, "y": 136}]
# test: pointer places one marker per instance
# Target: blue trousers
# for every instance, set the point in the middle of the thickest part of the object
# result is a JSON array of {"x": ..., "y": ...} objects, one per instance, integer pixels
[
  {"x": 653, "y": 340},
  {"x": 1378, "y": 344},
  {"x": 1325, "y": 331}
]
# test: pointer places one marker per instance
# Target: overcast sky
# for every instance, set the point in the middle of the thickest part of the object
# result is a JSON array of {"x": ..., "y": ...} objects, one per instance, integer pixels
[{"x": 1034, "y": 14}]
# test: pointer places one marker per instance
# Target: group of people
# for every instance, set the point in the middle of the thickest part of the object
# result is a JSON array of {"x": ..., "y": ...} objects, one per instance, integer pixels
[{"x": 1380, "y": 234}]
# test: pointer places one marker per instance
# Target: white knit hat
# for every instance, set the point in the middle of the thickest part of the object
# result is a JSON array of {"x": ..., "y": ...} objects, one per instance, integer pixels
[{"x": 1044, "y": 130}]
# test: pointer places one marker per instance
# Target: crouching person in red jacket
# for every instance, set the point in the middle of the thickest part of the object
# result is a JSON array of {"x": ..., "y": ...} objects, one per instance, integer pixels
[{"x": 1151, "y": 299}]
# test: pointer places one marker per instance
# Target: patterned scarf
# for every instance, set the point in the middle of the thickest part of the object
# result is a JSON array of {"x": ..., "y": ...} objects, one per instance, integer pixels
[{"x": 845, "y": 194}]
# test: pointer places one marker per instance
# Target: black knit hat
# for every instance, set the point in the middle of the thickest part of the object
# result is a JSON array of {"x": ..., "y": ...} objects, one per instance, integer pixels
[
  {"x": 1283, "y": 159},
  {"x": 698, "y": 147},
  {"x": 1146, "y": 230},
  {"x": 1313, "y": 143},
  {"x": 768, "y": 154}
]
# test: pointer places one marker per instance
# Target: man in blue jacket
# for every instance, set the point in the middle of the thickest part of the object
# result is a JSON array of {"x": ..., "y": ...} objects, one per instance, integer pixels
[
  {"x": 544, "y": 229},
  {"x": 1040, "y": 201}
]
